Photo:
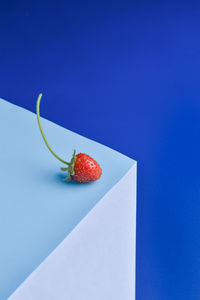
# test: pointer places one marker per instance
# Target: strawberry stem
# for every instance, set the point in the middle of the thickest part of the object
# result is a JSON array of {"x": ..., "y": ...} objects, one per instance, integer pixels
[{"x": 42, "y": 132}]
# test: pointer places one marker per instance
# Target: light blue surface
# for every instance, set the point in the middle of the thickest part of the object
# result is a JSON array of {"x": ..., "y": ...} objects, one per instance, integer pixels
[{"x": 37, "y": 208}]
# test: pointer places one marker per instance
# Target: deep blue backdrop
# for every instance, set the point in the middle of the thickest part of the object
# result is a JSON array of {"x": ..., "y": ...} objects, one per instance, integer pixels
[{"x": 126, "y": 74}]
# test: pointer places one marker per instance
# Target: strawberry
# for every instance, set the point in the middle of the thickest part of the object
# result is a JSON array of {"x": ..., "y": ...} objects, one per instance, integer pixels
[
  {"x": 86, "y": 169},
  {"x": 82, "y": 168}
]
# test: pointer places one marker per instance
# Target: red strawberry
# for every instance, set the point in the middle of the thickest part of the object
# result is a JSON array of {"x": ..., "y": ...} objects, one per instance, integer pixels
[
  {"x": 82, "y": 168},
  {"x": 86, "y": 169}
]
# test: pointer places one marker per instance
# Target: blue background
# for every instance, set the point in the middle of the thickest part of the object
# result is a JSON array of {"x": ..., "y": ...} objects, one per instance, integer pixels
[{"x": 126, "y": 74}]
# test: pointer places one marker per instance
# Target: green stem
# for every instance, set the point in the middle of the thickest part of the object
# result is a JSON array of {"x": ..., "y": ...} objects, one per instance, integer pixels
[{"x": 42, "y": 132}]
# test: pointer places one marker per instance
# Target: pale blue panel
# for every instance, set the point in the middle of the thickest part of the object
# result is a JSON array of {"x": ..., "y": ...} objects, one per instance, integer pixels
[{"x": 37, "y": 208}]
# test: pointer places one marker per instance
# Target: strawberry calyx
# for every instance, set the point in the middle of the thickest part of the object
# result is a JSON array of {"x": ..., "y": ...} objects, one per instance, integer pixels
[{"x": 70, "y": 167}]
